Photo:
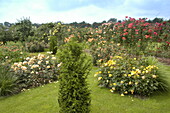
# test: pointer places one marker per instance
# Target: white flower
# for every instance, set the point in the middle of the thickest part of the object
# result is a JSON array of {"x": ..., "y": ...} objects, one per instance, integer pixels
[
  {"x": 6, "y": 57},
  {"x": 27, "y": 58},
  {"x": 34, "y": 66},
  {"x": 15, "y": 64},
  {"x": 53, "y": 58},
  {"x": 32, "y": 72},
  {"x": 39, "y": 62},
  {"x": 47, "y": 57},
  {"x": 47, "y": 62},
  {"x": 143, "y": 77},
  {"x": 24, "y": 68},
  {"x": 25, "y": 62},
  {"x": 59, "y": 64}
]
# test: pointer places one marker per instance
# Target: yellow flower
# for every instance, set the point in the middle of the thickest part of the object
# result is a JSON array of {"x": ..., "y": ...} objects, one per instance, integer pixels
[
  {"x": 111, "y": 67},
  {"x": 125, "y": 92},
  {"x": 133, "y": 67},
  {"x": 129, "y": 75},
  {"x": 108, "y": 71},
  {"x": 138, "y": 71},
  {"x": 100, "y": 72},
  {"x": 48, "y": 66},
  {"x": 118, "y": 44},
  {"x": 132, "y": 73},
  {"x": 122, "y": 95},
  {"x": 99, "y": 78},
  {"x": 134, "y": 58},
  {"x": 118, "y": 57},
  {"x": 110, "y": 75},
  {"x": 114, "y": 84},
  {"x": 132, "y": 91},
  {"x": 125, "y": 75},
  {"x": 121, "y": 82},
  {"x": 130, "y": 83},
  {"x": 136, "y": 83},
  {"x": 111, "y": 90},
  {"x": 95, "y": 75}
]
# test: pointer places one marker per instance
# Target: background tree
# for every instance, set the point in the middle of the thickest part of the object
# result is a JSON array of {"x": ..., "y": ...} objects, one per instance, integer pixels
[{"x": 23, "y": 28}]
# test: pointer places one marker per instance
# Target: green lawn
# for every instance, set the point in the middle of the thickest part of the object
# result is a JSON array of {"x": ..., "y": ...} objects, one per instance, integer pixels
[{"x": 44, "y": 100}]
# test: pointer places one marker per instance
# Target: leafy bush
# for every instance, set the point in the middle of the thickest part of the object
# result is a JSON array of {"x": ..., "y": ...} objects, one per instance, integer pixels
[
  {"x": 7, "y": 81},
  {"x": 73, "y": 90},
  {"x": 136, "y": 76},
  {"x": 35, "y": 46},
  {"x": 35, "y": 71}
]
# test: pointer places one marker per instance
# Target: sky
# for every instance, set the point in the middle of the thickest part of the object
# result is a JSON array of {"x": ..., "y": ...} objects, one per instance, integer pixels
[{"x": 67, "y": 11}]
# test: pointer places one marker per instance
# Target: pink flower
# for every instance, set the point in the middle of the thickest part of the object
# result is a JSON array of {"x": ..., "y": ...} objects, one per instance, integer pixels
[
  {"x": 155, "y": 33},
  {"x": 126, "y": 16}
]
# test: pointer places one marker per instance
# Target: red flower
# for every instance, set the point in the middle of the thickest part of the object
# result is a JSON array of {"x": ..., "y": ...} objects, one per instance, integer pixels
[
  {"x": 126, "y": 16},
  {"x": 125, "y": 30},
  {"x": 130, "y": 25},
  {"x": 147, "y": 36},
  {"x": 126, "y": 33},
  {"x": 123, "y": 38},
  {"x": 150, "y": 30}
]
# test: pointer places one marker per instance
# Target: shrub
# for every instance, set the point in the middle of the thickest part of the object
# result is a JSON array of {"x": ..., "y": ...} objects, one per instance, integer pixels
[
  {"x": 136, "y": 76},
  {"x": 7, "y": 81},
  {"x": 11, "y": 52},
  {"x": 35, "y": 71},
  {"x": 35, "y": 46},
  {"x": 73, "y": 90}
]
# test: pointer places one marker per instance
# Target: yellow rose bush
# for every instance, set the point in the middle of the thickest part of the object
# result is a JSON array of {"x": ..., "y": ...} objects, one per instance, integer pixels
[
  {"x": 35, "y": 71},
  {"x": 134, "y": 76}
]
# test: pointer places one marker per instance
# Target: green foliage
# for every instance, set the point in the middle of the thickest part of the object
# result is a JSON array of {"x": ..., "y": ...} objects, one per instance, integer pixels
[
  {"x": 53, "y": 44},
  {"x": 35, "y": 46},
  {"x": 35, "y": 71},
  {"x": 137, "y": 76},
  {"x": 7, "y": 81},
  {"x": 74, "y": 95}
]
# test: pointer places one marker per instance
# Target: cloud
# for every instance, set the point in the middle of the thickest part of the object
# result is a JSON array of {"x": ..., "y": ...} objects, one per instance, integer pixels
[{"x": 81, "y": 10}]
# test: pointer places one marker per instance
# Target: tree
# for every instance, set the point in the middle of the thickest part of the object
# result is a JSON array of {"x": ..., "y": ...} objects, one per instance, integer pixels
[
  {"x": 159, "y": 20},
  {"x": 23, "y": 27},
  {"x": 112, "y": 20},
  {"x": 73, "y": 90}
]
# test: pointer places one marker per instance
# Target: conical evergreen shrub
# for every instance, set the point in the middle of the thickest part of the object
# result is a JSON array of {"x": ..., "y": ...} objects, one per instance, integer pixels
[{"x": 74, "y": 95}]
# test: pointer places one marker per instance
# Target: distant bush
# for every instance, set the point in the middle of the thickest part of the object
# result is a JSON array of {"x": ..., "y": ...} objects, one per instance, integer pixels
[
  {"x": 136, "y": 76},
  {"x": 35, "y": 46}
]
